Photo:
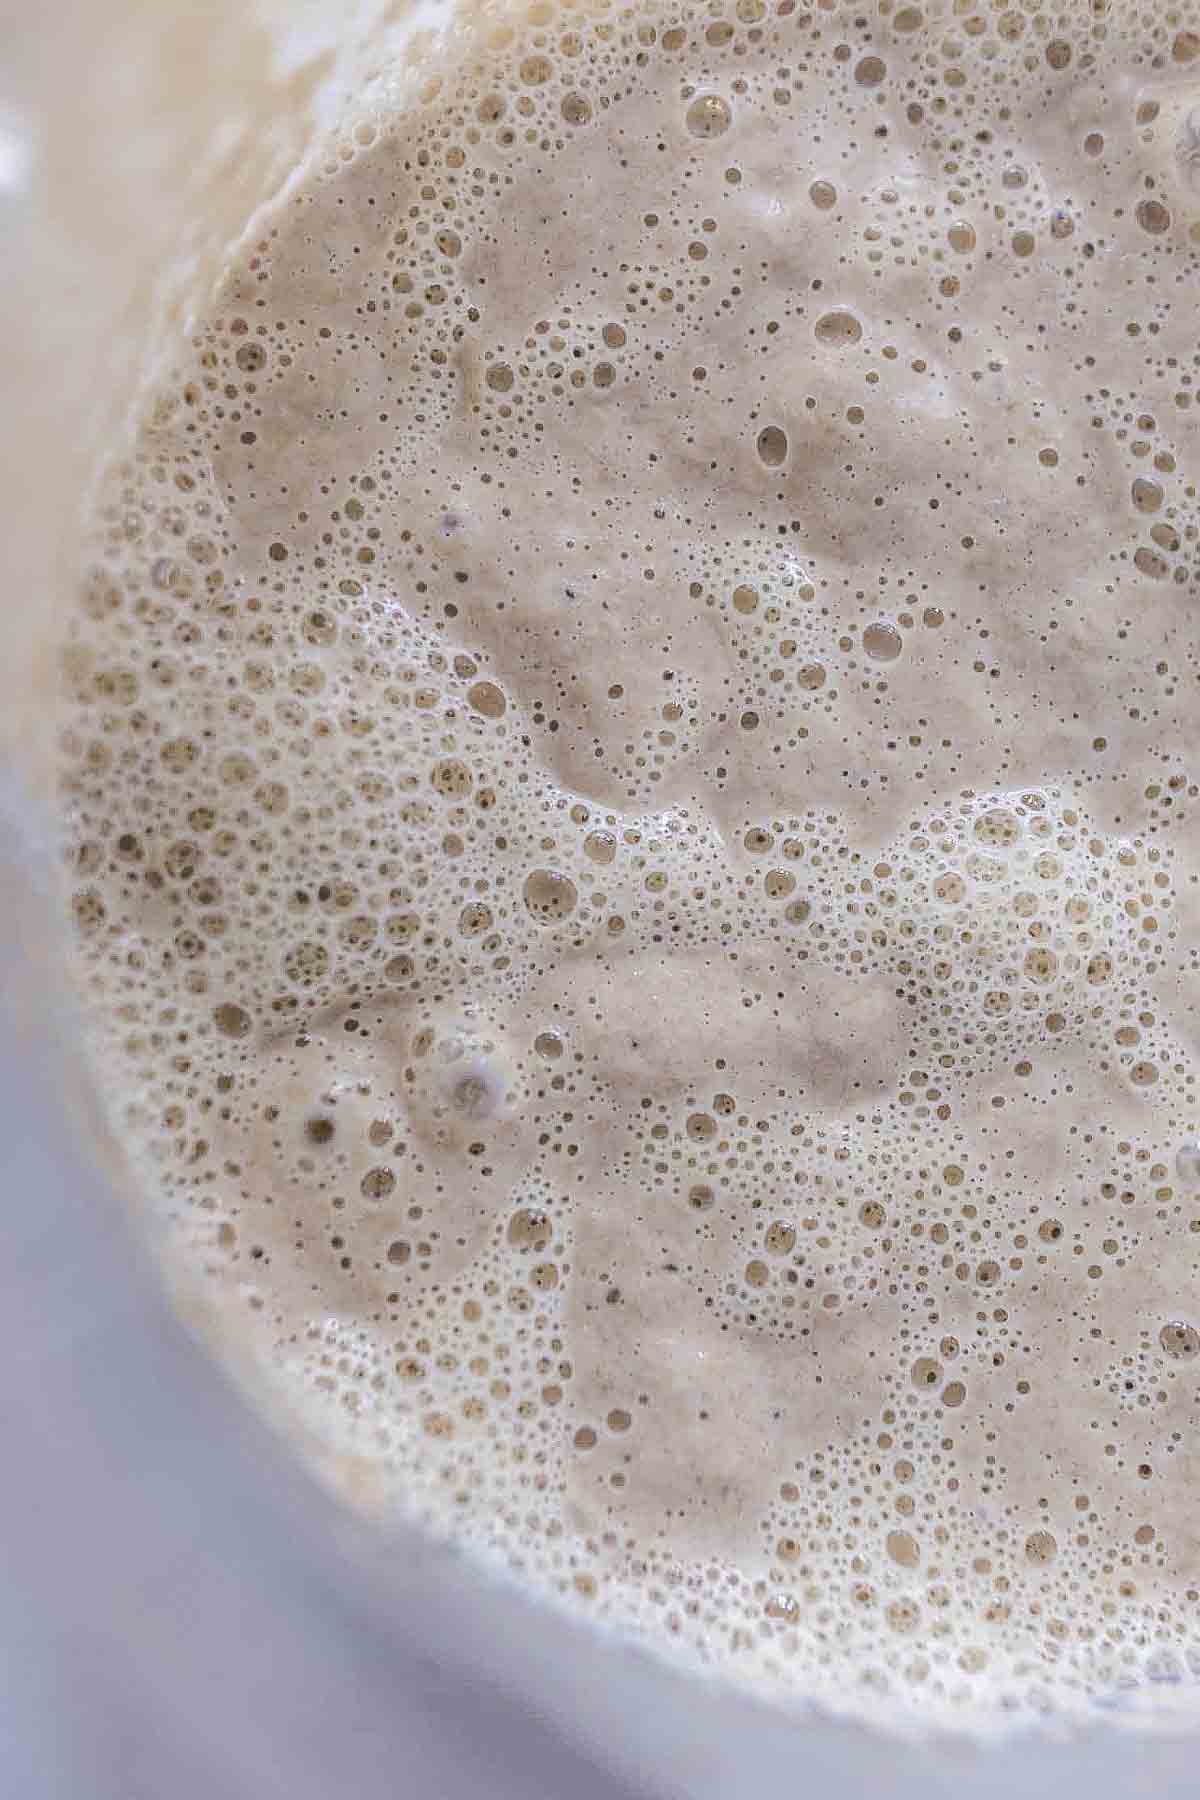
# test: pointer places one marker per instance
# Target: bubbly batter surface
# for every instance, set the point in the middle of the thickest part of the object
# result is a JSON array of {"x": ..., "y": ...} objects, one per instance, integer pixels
[{"x": 632, "y": 833}]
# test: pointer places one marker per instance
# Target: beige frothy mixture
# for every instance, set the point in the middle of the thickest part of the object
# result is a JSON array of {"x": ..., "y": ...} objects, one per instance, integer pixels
[{"x": 633, "y": 843}]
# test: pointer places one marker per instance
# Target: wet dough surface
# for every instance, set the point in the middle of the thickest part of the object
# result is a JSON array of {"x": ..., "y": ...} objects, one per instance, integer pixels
[{"x": 626, "y": 753}]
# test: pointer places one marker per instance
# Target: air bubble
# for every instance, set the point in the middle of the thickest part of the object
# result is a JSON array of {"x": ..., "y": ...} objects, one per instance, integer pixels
[
  {"x": 550, "y": 895},
  {"x": 839, "y": 329},
  {"x": 772, "y": 446},
  {"x": 882, "y": 641},
  {"x": 488, "y": 699},
  {"x": 1153, "y": 217},
  {"x": 1180, "y": 1340},
  {"x": 709, "y": 116}
]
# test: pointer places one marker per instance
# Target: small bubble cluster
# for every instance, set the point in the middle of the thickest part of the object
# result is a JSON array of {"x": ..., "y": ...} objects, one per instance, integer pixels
[{"x": 631, "y": 841}]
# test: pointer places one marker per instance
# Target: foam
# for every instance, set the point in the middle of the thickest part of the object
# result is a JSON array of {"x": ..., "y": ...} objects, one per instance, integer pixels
[{"x": 624, "y": 751}]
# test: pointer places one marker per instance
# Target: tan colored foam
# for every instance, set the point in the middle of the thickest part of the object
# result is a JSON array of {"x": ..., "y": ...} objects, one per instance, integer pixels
[{"x": 626, "y": 753}]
